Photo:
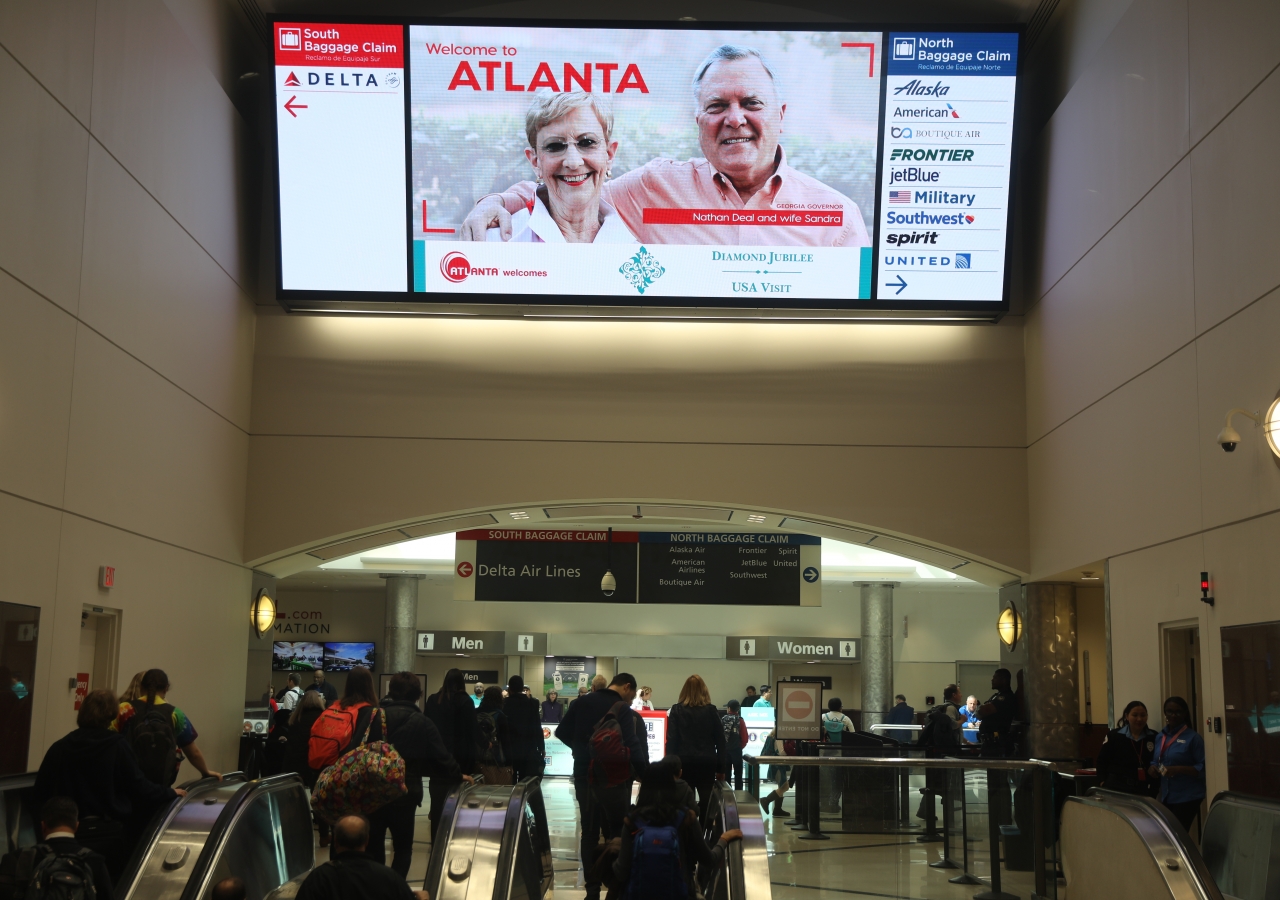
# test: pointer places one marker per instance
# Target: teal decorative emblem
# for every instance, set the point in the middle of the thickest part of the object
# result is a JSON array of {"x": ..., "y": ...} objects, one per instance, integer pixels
[{"x": 642, "y": 270}]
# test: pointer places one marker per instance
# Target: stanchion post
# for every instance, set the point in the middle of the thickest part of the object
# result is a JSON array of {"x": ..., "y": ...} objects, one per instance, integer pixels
[
  {"x": 799, "y": 776},
  {"x": 948, "y": 825},
  {"x": 995, "y": 777},
  {"x": 813, "y": 809},
  {"x": 965, "y": 877},
  {"x": 1039, "y": 777}
]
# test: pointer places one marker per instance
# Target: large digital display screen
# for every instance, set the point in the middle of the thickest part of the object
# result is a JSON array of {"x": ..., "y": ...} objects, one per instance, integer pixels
[{"x": 638, "y": 166}]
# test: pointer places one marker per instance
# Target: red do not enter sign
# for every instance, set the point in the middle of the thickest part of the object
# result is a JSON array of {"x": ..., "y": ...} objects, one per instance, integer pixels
[{"x": 798, "y": 705}]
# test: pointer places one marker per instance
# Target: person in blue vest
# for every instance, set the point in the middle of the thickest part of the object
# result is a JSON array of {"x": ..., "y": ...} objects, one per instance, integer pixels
[{"x": 1179, "y": 763}]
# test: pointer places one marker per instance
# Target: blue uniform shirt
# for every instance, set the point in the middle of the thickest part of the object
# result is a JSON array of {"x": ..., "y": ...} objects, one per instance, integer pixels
[{"x": 1185, "y": 750}]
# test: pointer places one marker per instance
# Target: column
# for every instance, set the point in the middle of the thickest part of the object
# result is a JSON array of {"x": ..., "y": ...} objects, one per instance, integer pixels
[
  {"x": 877, "y": 652},
  {"x": 400, "y": 647},
  {"x": 1051, "y": 694}
]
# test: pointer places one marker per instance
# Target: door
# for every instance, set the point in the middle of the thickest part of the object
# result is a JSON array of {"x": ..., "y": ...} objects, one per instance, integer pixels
[
  {"x": 1182, "y": 671},
  {"x": 1251, "y": 694},
  {"x": 99, "y": 646}
]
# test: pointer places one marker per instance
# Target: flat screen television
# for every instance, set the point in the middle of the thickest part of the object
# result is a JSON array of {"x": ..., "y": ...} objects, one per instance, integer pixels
[
  {"x": 297, "y": 656},
  {"x": 344, "y": 656},
  {"x": 472, "y": 164}
]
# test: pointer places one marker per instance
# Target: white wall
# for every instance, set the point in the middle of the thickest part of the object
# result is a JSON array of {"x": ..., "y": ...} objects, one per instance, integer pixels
[
  {"x": 1154, "y": 309},
  {"x": 126, "y": 341}
]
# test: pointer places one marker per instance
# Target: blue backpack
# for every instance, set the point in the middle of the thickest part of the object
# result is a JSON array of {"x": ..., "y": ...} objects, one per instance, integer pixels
[{"x": 655, "y": 863}]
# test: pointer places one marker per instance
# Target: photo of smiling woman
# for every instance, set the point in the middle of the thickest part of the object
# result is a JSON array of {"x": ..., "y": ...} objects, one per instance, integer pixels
[{"x": 571, "y": 149}]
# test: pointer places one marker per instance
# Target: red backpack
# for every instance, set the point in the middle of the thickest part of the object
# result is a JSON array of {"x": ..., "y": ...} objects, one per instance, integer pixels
[
  {"x": 610, "y": 755},
  {"x": 331, "y": 734}
]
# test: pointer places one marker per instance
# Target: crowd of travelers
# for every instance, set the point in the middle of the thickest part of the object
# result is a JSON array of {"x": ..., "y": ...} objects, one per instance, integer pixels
[{"x": 365, "y": 758}]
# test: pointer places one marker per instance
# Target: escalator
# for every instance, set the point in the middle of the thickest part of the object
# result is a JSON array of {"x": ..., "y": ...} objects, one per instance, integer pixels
[
  {"x": 494, "y": 844},
  {"x": 259, "y": 831}
]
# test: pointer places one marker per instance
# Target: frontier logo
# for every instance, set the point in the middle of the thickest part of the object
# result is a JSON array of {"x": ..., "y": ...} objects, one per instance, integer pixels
[{"x": 455, "y": 268}]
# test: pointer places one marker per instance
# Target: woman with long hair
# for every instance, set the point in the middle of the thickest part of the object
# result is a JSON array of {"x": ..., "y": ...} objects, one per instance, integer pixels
[
  {"x": 454, "y": 716},
  {"x": 1179, "y": 763},
  {"x": 551, "y": 708},
  {"x": 1127, "y": 754},
  {"x": 303, "y": 716},
  {"x": 695, "y": 734}
]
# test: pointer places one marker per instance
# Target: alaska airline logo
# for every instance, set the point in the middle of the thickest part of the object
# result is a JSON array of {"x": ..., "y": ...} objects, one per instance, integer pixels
[
  {"x": 917, "y": 88},
  {"x": 292, "y": 81}
]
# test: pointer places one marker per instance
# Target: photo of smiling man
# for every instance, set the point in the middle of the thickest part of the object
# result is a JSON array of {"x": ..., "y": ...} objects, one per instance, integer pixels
[{"x": 740, "y": 113}]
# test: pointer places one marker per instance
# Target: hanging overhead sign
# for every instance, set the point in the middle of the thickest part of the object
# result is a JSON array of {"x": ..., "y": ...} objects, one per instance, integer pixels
[
  {"x": 730, "y": 568},
  {"x": 544, "y": 565},
  {"x": 833, "y": 649}
]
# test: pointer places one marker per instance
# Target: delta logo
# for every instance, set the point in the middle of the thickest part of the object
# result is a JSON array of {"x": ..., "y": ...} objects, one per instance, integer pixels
[
  {"x": 292, "y": 81},
  {"x": 456, "y": 269}
]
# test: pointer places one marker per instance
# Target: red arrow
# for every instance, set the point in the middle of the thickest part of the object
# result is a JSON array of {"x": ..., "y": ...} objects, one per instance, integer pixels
[{"x": 291, "y": 106}]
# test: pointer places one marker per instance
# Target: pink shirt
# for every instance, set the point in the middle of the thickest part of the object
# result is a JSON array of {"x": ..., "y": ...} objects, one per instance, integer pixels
[{"x": 667, "y": 184}]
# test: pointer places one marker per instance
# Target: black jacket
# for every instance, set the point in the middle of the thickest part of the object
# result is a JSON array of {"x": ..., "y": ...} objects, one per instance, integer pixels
[
  {"x": 1120, "y": 759},
  {"x": 750, "y": 701},
  {"x": 696, "y": 735},
  {"x": 417, "y": 739},
  {"x": 352, "y": 875},
  {"x": 327, "y": 690},
  {"x": 524, "y": 728},
  {"x": 96, "y": 768},
  {"x": 296, "y": 749},
  {"x": 455, "y": 718},
  {"x": 20, "y": 865},
  {"x": 586, "y": 712}
]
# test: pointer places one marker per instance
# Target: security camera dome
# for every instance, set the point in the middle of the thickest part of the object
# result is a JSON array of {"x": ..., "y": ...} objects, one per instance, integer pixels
[
  {"x": 608, "y": 584},
  {"x": 1228, "y": 437}
]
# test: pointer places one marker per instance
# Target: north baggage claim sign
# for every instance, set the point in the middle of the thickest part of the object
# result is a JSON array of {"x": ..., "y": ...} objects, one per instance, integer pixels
[{"x": 680, "y": 567}]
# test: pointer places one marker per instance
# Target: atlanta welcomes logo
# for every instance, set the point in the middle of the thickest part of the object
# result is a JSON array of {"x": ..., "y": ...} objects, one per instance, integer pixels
[{"x": 455, "y": 268}]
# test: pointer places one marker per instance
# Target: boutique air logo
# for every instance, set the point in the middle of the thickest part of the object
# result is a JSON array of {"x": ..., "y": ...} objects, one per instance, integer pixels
[
  {"x": 642, "y": 270},
  {"x": 904, "y": 133},
  {"x": 904, "y": 48}
]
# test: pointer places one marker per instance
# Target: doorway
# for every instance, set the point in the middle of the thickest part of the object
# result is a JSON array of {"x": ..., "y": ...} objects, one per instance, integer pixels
[
  {"x": 99, "y": 646},
  {"x": 1182, "y": 668},
  {"x": 1251, "y": 692}
]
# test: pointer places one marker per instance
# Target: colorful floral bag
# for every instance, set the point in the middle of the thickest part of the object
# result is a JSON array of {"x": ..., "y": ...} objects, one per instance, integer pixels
[{"x": 363, "y": 779}]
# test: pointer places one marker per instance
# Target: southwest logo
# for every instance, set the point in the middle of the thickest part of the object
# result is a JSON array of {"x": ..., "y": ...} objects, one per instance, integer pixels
[{"x": 292, "y": 81}]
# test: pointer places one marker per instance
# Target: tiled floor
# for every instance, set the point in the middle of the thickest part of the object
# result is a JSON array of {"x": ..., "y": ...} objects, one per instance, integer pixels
[{"x": 880, "y": 866}]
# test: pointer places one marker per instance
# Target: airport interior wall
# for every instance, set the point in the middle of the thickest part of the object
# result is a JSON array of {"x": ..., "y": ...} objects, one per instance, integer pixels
[
  {"x": 155, "y": 420},
  {"x": 1152, "y": 310}
]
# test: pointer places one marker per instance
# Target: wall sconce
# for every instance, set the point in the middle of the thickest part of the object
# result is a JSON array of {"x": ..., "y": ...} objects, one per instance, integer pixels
[
  {"x": 262, "y": 615},
  {"x": 1228, "y": 437},
  {"x": 1009, "y": 626}
]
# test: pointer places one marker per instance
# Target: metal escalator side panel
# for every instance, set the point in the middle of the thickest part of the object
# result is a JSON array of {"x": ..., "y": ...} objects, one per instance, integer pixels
[
  {"x": 748, "y": 859},
  {"x": 163, "y": 861},
  {"x": 469, "y": 859},
  {"x": 1123, "y": 845},
  {"x": 264, "y": 832},
  {"x": 438, "y": 863},
  {"x": 525, "y": 868},
  {"x": 1241, "y": 845}
]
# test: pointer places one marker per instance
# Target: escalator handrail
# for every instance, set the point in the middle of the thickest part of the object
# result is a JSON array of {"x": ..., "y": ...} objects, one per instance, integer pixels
[
  {"x": 1191, "y": 860},
  {"x": 222, "y": 826},
  {"x": 505, "y": 869},
  {"x": 160, "y": 821},
  {"x": 444, "y": 828},
  {"x": 736, "y": 853},
  {"x": 17, "y": 781},
  {"x": 1235, "y": 798}
]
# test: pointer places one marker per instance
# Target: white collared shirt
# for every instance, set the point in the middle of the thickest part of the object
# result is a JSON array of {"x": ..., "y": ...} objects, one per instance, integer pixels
[{"x": 536, "y": 226}]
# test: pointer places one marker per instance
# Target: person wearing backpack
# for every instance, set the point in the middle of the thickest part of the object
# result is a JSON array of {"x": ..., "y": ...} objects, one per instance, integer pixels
[
  {"x": 834, "y": 722},
  {"x": 662, "y": 841},
  {"x": 694, "y": 734},
  {"x": 57, "y": 868},
  {"x": 493, "y": 738},
  {"x": 95, "y": 767},
  {"x": 160, "y": 733},
  {"x": 454, "y": 716},
  {"x": 577, "y": 729},
  {"x": 418, "y": 742},
  {"x": 735, "y": 738}
]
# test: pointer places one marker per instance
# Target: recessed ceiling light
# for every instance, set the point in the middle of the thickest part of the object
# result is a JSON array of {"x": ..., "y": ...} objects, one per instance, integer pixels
[
  {"x": 1089, "y": 576},
  {"x": 756, "y": 518},
  {"x": 519, "y": 514}
]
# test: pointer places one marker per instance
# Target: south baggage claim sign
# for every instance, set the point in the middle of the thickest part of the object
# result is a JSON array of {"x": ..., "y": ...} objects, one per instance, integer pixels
[{"x": 674, "y": 567}]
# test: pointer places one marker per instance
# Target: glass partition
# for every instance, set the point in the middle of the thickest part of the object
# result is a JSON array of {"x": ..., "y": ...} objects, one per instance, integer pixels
[{"x": 19, "y": 630}]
